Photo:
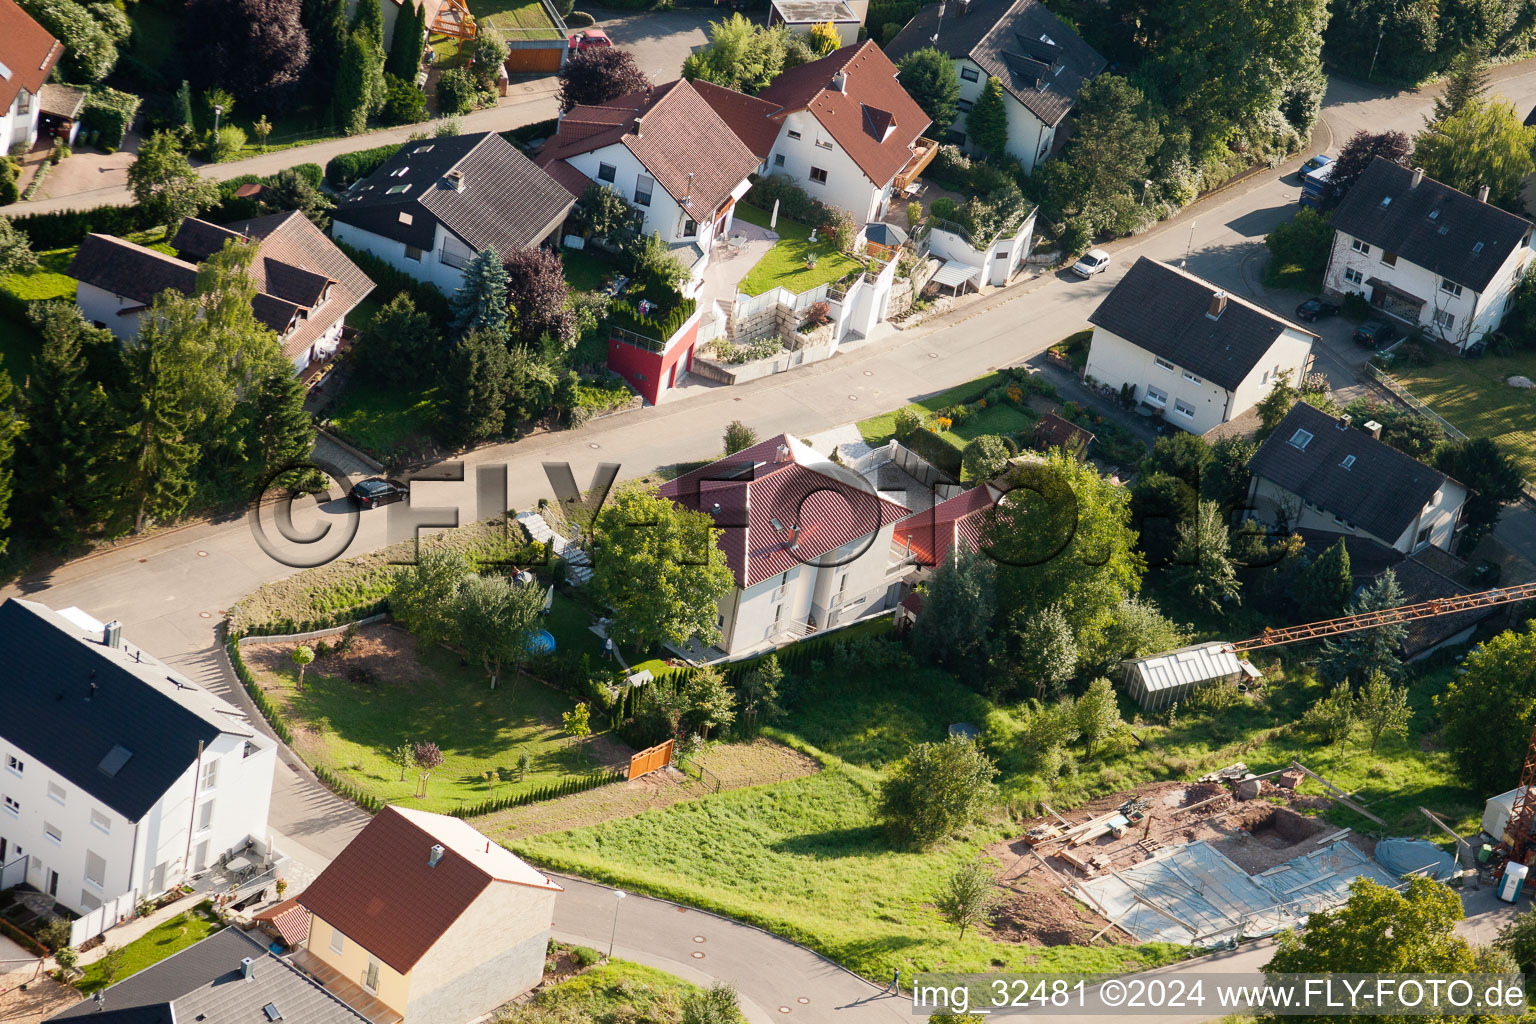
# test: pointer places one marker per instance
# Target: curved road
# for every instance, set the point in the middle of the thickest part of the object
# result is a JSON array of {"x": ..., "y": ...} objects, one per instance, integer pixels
[{"x": 169, "y": 589}]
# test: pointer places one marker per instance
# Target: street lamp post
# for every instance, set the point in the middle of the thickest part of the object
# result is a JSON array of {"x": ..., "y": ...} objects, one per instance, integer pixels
[
  {"x": 218, "y": 111},
  {"x": 618, "y": 897}
]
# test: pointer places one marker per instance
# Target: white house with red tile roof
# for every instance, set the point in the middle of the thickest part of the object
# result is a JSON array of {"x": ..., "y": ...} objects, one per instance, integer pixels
[
  {"x": 670, "y": 156},
  {"x": 846, "y": 131},
  {"x": 934, "y": 536},
  {"x": 808, "y": 541},
  {"x": 27, "y": 54}
]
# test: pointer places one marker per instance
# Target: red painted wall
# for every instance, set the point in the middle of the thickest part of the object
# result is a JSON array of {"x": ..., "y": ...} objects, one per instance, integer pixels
[{"x": 648, "y": 372}]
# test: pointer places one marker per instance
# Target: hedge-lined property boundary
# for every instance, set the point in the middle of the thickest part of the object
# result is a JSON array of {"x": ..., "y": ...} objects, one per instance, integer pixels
[{"x": 575, "y": 784}]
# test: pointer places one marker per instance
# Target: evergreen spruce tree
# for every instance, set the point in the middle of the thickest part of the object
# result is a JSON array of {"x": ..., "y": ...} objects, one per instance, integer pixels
[
  {"x": 405, "y": 45},
  {"x": 326, "y": 23},
  {"x": 183, "y": 106},
  {"x": 12, "y": 426},
  {"x": 987, "y": 123},
  {"x": 1326, "y": 584},
  {"x": 353, "y": 98},
  {"x": 1466, "y": 81},
  {"x": 478, "y": 385},
  {"x": 1356, "y": 656},
  {"x": 277, "y": 430},
  {"x": 157, "y": 456},
  {"x": 481, "y": 301},
  {"x": 368, "y": 21}
]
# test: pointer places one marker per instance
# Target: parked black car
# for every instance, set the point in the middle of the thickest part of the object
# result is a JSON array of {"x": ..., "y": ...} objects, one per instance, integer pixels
[
  {"x": 1375, "y": 334},
  {"x": 376, "y": 491},
  {"x": 1315, "y": 309},
  {"x": 1486, "y": 574}
]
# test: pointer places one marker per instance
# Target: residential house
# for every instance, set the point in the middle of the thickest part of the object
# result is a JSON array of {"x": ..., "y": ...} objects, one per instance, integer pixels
[
  {"x": 121, "y": 777},
  {"x": 671, "y": 157},
  {"x": 305, "y": 285},
  {"x": 423, "y": 919},
  {"x": 1054, "y": 431},
  {"x": 437, "y": 202},
  {"x": 1318, "y": 472},
  {"x": 1427, "y": 254},
  {"x": 229, "y": 976},
  {"x": 799, "y": 16},
  {"x": 27, "y": 54},
  {"x": 1185, "y": 348},
  {"x": 842, "y": 127},
  {"x": 808, "y": 542},
  {"x": 937, "y": 535},
  {"x": 1039, "y": 60}
]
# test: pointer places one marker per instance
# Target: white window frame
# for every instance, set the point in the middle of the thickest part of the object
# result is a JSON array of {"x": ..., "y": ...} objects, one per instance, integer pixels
[
  {"x": 969, "y": 74},
  {"x": 15, "y": 765},
  {"x": 101, "y": 821},
  {"x": 101, "y": 882},
  {"x": 205, "y": 816},
  {"x": 1301, "y": 439},
  {"x": 1359, "y": 247},
  {"x": 12, "y": 806},
  {"x": 1183, "y": 408},
  {"x": 1444, "y": 318},
  {"x": 57, "y": 793},
  {"x": 53, "y": 832},
  {"x": 821, "y": 171},
  {"x": 371, "y": 969},
  {"x": 612, "y": 172},
  {"x": 1156, "y": 397},
  {"x": 1451, "y": 287},
  {"x": 793, "y": 134},
  {"x": 210, "y": 775},
  {"x": 1192, "y": 378},
  {"x": 338, "y": 941},
  {"x": 1353, "y": 276},
  {"x": 649, "y": 192},
  {"x": 1162, "y": 364}
]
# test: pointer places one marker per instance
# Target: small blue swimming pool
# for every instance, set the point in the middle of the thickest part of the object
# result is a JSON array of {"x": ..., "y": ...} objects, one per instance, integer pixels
[{"x": 541, "y": 642}]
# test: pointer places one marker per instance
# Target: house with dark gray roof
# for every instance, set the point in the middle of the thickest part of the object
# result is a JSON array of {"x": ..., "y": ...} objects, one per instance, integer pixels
[
  {"x": 1039, "y": 60},
  {"x": 437, "y": 202},
  {"x": 1187, "y": 350},
  {"x": 305, "y": 284},
  {"x": 228, "y": 977},
  {"x": 120, "y": 776},
  {"x": 1426, "y": 254},
  {"x": 1320, "y": 472}
]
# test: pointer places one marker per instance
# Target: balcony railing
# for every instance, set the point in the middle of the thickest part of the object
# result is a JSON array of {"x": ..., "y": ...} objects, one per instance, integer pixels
[
  {"x": 451, "y": 259},
  {"x": 922, "y": 155},
  {"x": 639, "y": 341}
]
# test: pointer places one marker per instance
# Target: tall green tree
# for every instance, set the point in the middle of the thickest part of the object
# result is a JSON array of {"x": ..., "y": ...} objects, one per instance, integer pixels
[
  {"x": 987, "y": 121},
  {"x": 165, "y": 185},
  {"x": 1327, "y": 584},
  {"x": 711, "y": 704},
  {"x": 938, "y": 789},
  {"x": 494, "y": 620},
  {"x": 15, "y": 249},
  {"x": 359, "y": 78},
  {"x": 405, "y": 45},
  {"x": 1382, "y": 708},
  {"x": 1098, "y": 713},
  {"x": 164, "y": 365},
  {"x": 969, "y": 896},
  {"x": 481, "y": 301},
  {"x": 1046, "y": 654},
  {"x": 1202, "y": 559},
  {"x": 12, "y": 426},
  {"x": 1484, "y": 143},
  {"x": 368, "y": 21},
  {"x": 479, "y": 384},
  {"x": 1492, "y": 478},
  {"x": 326, "y": 23},
  {"x": 425, "y": 593},
  {"x": 659, "y": 569},
  {"x": 67, "y": 467},
  {"x": 274, "y": 428},
  {"x": 955, "y": 628},
  {"x": 1489, "y": 710},
  {"x": 1108, "y": 159},
  {"x": 1380, "y": 930},
  {"x": 1359, "y": 655},
  {"x": 741, "y": 55},
  {"x": 759, "y": 690},
  {"x": 1332, "y": 718},
  {"x": 399, "y": 343},
  {"x": 1063, "y": 536},
  {"x": 1465, "y": 83},
  {"x": 930, "y": 78}
]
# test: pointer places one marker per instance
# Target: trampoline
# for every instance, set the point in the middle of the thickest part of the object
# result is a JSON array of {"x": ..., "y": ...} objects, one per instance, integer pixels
[{"x": 541, "y": 642}]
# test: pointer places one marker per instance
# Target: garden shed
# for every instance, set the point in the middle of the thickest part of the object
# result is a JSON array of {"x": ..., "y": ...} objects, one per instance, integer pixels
[{"x": 1162, "y": 679}]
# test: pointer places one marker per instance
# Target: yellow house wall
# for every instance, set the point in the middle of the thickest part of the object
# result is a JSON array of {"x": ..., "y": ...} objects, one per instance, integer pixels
[{"x": 352, "y": 962}]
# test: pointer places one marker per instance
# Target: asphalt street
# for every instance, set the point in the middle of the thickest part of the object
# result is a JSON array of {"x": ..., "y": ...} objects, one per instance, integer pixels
[{"x": 171, "y": 588}]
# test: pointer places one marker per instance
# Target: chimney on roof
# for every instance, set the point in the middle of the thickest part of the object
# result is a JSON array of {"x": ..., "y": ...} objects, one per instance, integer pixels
[
  {"x": 1482, "y": 194},
  {"x": 455, "y": 180},
  {"x": 781, "y": 453},
  {"x": 714, "y": 510},
  {"x": 247, "y": 968},
  {"x": 1344, "y": 420},
  {"x": 1373, "y": 428},
  {"x": 840, "y": 81},
  {"x": 435, "y": 856},
  {"x": 1218, "y": 305},
  {"x": 1418, "y": 176},
  {"x": 637, "y": 127},
  {"x": 112, "y": 633}
]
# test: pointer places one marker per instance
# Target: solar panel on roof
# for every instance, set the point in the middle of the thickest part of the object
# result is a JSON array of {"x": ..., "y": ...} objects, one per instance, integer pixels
[
  {"x": 114, "y": 761},
  {"x": 272, "y": 1012}
]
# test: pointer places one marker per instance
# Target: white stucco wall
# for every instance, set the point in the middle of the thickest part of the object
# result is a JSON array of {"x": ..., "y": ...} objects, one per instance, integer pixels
[
  {"x": 1267, "y": 499},
  {"x": 100, "y": 306},
  {"x": 1027, "y": 134},
  {"x": 1286, "y": 360},
  {"x": 430, "y": 268},
  {"x": 16, "y": 126},
  {"x": 491, "y": 954},
  {"x": 1475, "y": 313},
  {"x": 847, "y": 186}
]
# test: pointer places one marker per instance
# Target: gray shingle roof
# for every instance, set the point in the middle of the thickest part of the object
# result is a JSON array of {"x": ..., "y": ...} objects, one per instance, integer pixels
[
  {"x": 1038, "y": 58},
  {"x": 203, "y": 983},
  {"x": 1382, "y": 491},
  {"x": 69, "y": 701},
  {"x": 1164, "y": 310},
  {"x": 506, "y": 202},
  {"x": 1433, "y": 225}
]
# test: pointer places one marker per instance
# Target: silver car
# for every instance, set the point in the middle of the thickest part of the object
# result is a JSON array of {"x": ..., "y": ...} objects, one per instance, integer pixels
[{"x": 1095, "y": 261}]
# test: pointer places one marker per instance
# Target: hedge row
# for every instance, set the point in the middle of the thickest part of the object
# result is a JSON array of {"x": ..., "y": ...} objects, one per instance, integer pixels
[
  {"x": 344, "y": 789},
  {"x": 258, "y": 696},
  {"x": 574, "y": 784},
  {"x": 390, "y": 282},
  {"x": 520, "y": 137},
  {"x": 345, "y": 617},
  {"x": 623, "y": 314},
  {"x": 343, "y": 170},
  {"x": 936, "y": 450},
  {"x": 22, "y": 939},
  {"x": 882, "y": 12},
  {"x": 110, "y": 113}
]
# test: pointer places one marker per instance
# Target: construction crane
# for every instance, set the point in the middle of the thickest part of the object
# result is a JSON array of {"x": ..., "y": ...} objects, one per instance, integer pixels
[
  {"x": 1388, "y": 616},
  {"x": 1517, "y": 834}
]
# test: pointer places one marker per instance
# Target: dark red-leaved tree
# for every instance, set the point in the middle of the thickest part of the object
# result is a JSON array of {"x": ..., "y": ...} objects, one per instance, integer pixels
[
  {"x": 428, "y": 758},
  {"x": 536, "y": 293},
  {"x": 598, "y": 75},
  {"x": 253, "y": 48},
  {"x": 1356, "y": 156}
]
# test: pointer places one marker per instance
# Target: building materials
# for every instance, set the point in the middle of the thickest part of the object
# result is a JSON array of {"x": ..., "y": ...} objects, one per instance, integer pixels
[
  {"x": 1332, "y": 836},
  {"x": 1337, "y": 793}
]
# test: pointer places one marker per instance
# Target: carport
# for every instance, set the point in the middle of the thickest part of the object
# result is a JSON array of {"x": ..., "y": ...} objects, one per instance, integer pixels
[
  {"x": 1393, "y": 300},
  {"x": 955, "y": 276}
]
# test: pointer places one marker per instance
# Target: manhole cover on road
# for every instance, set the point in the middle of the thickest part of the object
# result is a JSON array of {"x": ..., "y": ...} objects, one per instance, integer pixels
[
  {"x": 933, "y": 355},
  {"x": 784, "y": 1009},
  {"x": 204, "y": 615},
  {"x": 853, "y": 398},
  {"x": 802, "y": 999},
  {"x": 869, "y": 373},
  {"x": 699, "y": 938},
  {"x": 593, "y": 444},
  {"x": 202, "y": 554},
  {"x": 697, "y": 955}
]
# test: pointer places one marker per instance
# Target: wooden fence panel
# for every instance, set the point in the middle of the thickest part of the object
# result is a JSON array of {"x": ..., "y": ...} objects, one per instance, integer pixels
[{"x": 650, "y": 760}]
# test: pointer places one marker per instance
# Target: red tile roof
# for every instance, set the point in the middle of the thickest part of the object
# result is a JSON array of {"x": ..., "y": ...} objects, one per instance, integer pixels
[
  {"x": 872, "y": 118},
  {"x": 752, "y": 119},
  {"x": 570, "y": 179},
  {"x": 288, "y": 919},
  {"x": 933, "y": 534},
  {"x": 382, "y": 893},
  {"x": 672, "y": 131},
  {"x": 28, "y": 52},
  {"x": 817, "y": 506}
]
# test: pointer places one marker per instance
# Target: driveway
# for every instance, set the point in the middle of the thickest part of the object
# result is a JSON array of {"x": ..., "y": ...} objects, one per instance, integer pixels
[{"x": 659, "y": 40}]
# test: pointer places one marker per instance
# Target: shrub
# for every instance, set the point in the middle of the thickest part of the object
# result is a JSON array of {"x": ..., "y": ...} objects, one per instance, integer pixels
[
  {"x": 1075, "y": 237},
  {"x": 390, "y": 282},
  {"x": 585, "y": 956},
  {"x": 907, "y": 421},
  {"x": 63, "y": 228},
  {"x": 226, "y": 144},
  {"x": 935, "y": 449},
  {"x": 943, "y": 208},
  {"x": 816, "y": 314},
  {"x": 794, "y": 202},
  {"x": 579, "y": 19},
  {"x": 109, "y": 113},
  {"x": 455, "y": 92},
  {"x": 9, "y": 193},
  {"x": 347, "y": 168},
  {"x": 661, "y": 326},
  {"x": 403, "y": 103}
]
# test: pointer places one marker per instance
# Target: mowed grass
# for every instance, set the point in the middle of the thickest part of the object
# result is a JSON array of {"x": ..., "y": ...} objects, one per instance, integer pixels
[
  {"x": 1471, "y": 393},
  {"x": 783, "y": 266},
  {"x": 515, "y": 19},
  {"x": 879, "y": 429},
  {"x": 808, "y": 860},
  {"x": 350, "y": 727},
  {"x": 585, "y": 270},
  {"x": 155, "y": 945},
  {"x": 386, "y": 421}
]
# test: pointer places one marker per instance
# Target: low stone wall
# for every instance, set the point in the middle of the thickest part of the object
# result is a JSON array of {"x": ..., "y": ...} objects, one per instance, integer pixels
[
  {"x": 742, "y": 372},
  {"x": 901, "y": 298},
  {"x": 777, "y": 319}
]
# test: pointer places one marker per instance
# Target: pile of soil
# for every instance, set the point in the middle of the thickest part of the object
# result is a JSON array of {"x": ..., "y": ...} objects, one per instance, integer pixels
[
  {"x": 379, "y": 652},
  {"x": 1037, "y": 913}
]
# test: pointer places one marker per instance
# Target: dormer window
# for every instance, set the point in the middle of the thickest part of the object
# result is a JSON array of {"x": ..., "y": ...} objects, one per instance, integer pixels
[
  {"x": 1386, "y": 201},
  {"x": 1349, "y": 460},
  {"x": 1434, "y": 214},
  {"x": 1301, "y": 439}
]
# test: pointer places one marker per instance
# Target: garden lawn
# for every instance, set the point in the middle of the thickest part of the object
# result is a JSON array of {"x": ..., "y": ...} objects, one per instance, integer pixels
[
  {"x": 385, "y": 421},
  {"x": 879, "y": 429},
  {"x": 516, "y": 19},
  {"x": 783, "y": 266},
  {"x": 1471, "y": 393},
  {"x": 155, "y": 945},
  {"x": 585, "y": 270},
  {"x": 350, "y": 727},
  {"x": 998, "y": 419},
  {"x": 808, "y": 860},
  {"x": 19, "y": 341},
  {"x": 571, "y": 626}
]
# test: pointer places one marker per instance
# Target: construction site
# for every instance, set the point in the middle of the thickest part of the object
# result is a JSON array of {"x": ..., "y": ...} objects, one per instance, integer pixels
[{"x": 1231, "y": 855}]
